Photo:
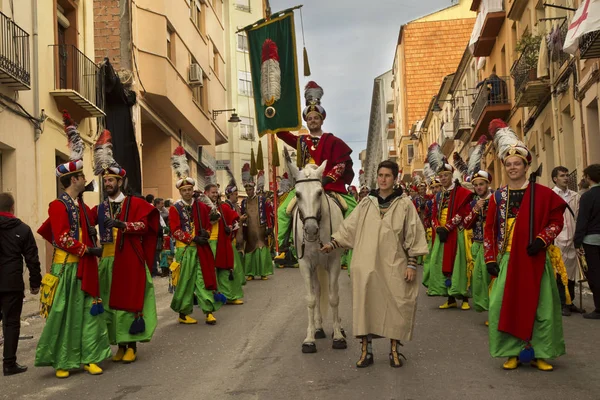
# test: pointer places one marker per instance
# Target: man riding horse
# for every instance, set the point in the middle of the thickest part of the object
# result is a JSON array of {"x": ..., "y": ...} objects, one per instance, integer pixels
[{"x": 315, "y": 148}]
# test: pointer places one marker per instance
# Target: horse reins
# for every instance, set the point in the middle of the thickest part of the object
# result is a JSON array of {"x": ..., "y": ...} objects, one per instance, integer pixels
[{"x": 317, "y": 218}]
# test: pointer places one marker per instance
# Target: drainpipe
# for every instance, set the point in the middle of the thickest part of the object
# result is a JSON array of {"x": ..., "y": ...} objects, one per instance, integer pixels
[{"x": 35, "y": 74}]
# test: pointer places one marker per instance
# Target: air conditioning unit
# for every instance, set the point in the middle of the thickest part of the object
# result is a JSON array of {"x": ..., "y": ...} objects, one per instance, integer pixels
[{"x": 195, "y": 75}]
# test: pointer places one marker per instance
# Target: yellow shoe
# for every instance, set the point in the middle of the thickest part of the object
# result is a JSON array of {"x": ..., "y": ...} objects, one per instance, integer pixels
[
  {"x": 187, "y": 320},
  {"x": 465, "y": 306},
  {"x": 446, "y": 306},
  {"x": 487, "y": 323},
  {"x": 344, "y": 267},
  {"x": 249, "y": 278},
  {"x": 280, "y": 256},
  {"x": 210, "y": 319},
  {"x": 93, "y": 369},
  {"x": 62, "y": 374},
  {"x": 129, "y": 356},
  {"x": 511, "y": 363},
  {"x": 541, "y": 365},
  {"x": 264, "y": 278},
  {"x": 237, "y": 302},
  {"x": 119, "y": 355}
]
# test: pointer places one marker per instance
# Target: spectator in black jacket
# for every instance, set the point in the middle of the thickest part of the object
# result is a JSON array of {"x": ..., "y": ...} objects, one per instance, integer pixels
[
  {"x": 16, "y": 242},
  {"x": 587, "y": 233}
]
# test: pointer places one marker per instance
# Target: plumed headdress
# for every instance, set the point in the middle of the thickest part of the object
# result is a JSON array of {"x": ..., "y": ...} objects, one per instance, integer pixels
[
  {"x": 474, "y": 164},
  {"x": 246, "y": 177},
  {"x": 459, "y": 163},
  {"x": 429, "y": 173},
  {"x": 436, "y": 159},
  {"x": 507, "y": 143},
  {"x": 180, "y": 166},
  {"x": 416, "y": 179},
  {"x": 260, "y": 181},
  {"x": 313, "y": 94},
  {"x": 361, "y": 178},
  {"x": 284, "y": 183},
  {"x": 104, "y": 163},
  {"x": 232, "y": 185},
  {"x": 210, "y": 177},
  {"x": 76, "y": 147}
]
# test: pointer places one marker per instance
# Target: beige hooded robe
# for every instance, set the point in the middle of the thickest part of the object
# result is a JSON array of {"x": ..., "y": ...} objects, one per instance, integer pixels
[{"x": 384, "y": 303}]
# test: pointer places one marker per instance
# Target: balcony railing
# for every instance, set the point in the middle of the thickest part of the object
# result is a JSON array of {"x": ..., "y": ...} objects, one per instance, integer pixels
[
  {"x": 462, "y": 121},
  {"x": 493, "y": 101},
  {"x": 78, "y": 78},
  {"x": 14, "y": 55},
  {"x": 561, "y": 57},
  {"x": 530, "y": 90},
  {"x": 589, "y": 45}
]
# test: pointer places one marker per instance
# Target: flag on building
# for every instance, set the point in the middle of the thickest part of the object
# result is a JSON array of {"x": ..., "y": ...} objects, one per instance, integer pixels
[
  {"x": 274, "y": 68},
  {"x": 585, "y": 20}
]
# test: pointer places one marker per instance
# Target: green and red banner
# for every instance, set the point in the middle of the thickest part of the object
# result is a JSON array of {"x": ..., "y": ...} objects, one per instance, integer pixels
[{"x": 274, "y": 68}]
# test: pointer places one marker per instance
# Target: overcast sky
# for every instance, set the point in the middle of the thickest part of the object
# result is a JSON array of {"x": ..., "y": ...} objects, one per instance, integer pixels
[{"x": 349, "y": 44}]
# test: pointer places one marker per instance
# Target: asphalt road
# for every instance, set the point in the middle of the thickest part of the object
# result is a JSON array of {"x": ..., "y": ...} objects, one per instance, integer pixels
[{"x": 254, "y": 352}]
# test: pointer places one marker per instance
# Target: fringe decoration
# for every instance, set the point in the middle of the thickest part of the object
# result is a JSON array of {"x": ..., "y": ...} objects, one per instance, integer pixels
[
  {"x": 275, "y": 153},
  {"x": 560, "y": 268},
  {"x": 299, "y": 153}
]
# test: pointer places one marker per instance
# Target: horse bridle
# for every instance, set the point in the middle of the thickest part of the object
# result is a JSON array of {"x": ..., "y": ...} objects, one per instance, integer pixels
[{"x": 317, "y": 218}]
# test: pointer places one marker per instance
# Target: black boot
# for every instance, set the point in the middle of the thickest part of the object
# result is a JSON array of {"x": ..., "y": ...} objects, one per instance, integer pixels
[
  {"x": 366, "y": 353},
  {"x": 14, "y": 369},
  {"x": 395, "y": 360}
]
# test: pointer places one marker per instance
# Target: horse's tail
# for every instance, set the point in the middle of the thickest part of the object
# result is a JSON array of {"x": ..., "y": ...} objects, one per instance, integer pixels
[{"x": 323, "y": 276}]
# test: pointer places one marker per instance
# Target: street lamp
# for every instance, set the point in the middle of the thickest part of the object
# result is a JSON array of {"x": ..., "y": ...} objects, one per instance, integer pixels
[{"x": 234, "y": 117}]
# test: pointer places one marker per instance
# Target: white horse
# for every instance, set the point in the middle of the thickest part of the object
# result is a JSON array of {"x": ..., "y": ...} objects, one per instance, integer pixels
[{"x": 315, "y": 217}]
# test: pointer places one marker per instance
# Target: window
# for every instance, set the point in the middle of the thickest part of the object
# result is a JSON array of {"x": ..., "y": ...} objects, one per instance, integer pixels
[
  {"x": 242, "y": 5},
  {"x": 247, "y": 128},
  {"x": 410, "y": 151},
  {"x": 216, "y": 60},
  {"x": 196, "y": 15},
  {"x": 199, "y": 92},
  {"x": 245, "y": 83},
  {"x": 242, "y": 42},
  {"x": 171, "y": 44}
]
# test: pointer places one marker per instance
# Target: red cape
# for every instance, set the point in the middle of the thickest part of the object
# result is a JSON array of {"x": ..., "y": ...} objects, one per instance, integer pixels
[
  {"x": 524, "y": 273},
  {"x": 56, "y": 225},
  {"x": 134, "y": 252},
  {"x": 224, "y": 254},
  {"x": 205, "y": 255},
  {"x": 458, "y": 204}
]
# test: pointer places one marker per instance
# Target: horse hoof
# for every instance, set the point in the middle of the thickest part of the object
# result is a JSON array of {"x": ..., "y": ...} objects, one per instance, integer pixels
[
  {"x": 309, "y": 348},
  {"x": 320, "y": 334},
  {"x": 339, "y": 344},
  {"x": 343, "y": 333}
]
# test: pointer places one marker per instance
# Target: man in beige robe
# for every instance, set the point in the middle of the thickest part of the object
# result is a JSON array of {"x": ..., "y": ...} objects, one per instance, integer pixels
[{"x": 387, "y": 236}]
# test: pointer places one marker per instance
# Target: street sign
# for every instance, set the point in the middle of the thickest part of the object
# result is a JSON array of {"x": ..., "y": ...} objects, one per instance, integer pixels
[{"x": 223, "y": 164}]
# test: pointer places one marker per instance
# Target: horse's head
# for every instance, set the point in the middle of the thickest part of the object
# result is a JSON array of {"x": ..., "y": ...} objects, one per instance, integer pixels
[{"x": 309, "y": 195}]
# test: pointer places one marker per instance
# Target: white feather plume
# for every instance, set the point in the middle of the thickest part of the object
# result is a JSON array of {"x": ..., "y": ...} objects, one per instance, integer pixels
[
  {"x": 435, "y": 157},
  {"x": 270, "y": 82},
  {"x": 505, "y": 139},
  {"x": 179, "y": 163},
  {"x": 313, "y": 93},
  {"x": 474, "y": 164},
  {"x": 429, "y": 173}
]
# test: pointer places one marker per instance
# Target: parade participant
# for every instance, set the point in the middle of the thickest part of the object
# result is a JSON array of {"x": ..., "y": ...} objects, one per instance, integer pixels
[
  {"x": 74, "y": 333},
  {"x": 446, "y": 273},
  {"x": 587, "y": 233},
  {"x": 564, "y": 241},
  {"x": 522, "y": 221},
  {"x": 364, "y": 192},
  {"x": 16, "y": 244},
  {"x": 315, "y": 148},
  {"x": 129, "y": 228},
  {"x": 231, "y": 199},
  {"x": 194, "y": 265},
  {"x": 353, "y": 191},
  {"x": 257, "y": 257},
  {"x": 389, "y": 284},
  {"x": 230, "y": 271}
]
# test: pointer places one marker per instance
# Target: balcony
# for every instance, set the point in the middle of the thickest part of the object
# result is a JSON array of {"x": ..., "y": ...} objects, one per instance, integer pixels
[
  {"x": 561, "y": 57},
  {"x": 77, "y": 84},
  {"x": 461, "y": 122},
  {"x": 392, "y": 153},
  {"x": 589, "y": 45},
  {"x": 447, "y": 137},
  {"x": 391, "y": 129},
  {"x": 487, "y": 26},
  {"x": 14, "y": 55},
  {"x": 516, "y": 9},
  {"x": 530, "y": 90},
  {"x": 492, "y": 101}
]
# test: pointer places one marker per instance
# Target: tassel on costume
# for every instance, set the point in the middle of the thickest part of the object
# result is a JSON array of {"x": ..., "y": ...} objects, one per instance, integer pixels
[
  {"x": 97, "y": 307},
  {"x": 527, "y": 355},
  {"x": 230, "y": 274},
  {"x": 220, "y": 297},
  {"x": 260, "y": 164},
  {"x": 305, "y": 60},
  {"x": 560, "y": 269},
  {"x": 253, "y": 169},
  {"x": 138, "y": 325},
  {"x": 299, "y": 153},
  {"x": 448, "y": 282}
]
